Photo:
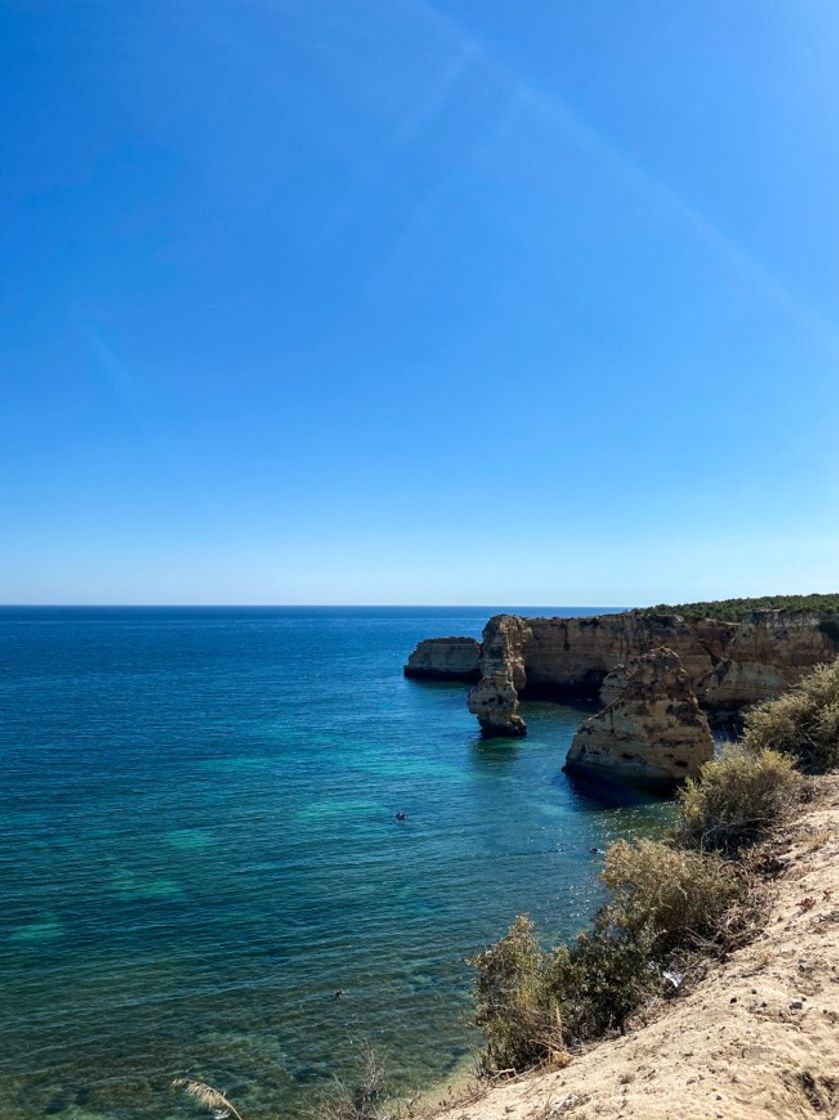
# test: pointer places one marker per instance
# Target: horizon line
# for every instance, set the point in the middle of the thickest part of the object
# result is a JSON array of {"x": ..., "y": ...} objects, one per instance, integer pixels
[{"x": 292, "y": 606}]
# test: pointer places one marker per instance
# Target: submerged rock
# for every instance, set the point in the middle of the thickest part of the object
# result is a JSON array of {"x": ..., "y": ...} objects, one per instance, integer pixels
[
  {"x": 652, "y": 730},
  {"x": 445, "y": 659}
]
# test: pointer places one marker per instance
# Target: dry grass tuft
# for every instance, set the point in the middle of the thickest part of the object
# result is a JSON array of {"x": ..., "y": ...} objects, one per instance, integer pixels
[
  {"x": 207, "y": 1096},
  {"x": 364, "y": 1098}
]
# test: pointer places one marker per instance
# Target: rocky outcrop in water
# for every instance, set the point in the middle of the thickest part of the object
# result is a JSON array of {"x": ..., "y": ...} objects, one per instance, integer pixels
[
  {"x": 495, "y": 698},
  {"x": 768, "y": 652},
  {"x": 652, "y": 731},
  {"x": 731, "y": 665},
  {"x": 556, "y": 658},
  {"x": 445, "y": 659}
]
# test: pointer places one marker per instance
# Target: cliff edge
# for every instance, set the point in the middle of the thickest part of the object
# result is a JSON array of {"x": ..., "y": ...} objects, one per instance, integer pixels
[{"x": 757, "y": 1039}]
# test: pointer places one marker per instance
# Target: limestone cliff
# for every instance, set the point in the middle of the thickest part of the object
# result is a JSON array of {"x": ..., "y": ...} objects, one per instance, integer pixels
[
  {"x": 495, "y": 698},
  {"x": 556, "y": 658},
  {"x": 569, "y": 657},
  {"x": 446, "y": 659},
  {"x": 768, "y": 653},
  {"x": 731, "y": 664},
  {"x": 652, "y": 730}
]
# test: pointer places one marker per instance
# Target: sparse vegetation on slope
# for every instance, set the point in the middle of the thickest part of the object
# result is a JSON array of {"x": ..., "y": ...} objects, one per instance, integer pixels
[
  {"x": 737, "y": 799},
  {"x": 803, "y": 723},
  {"x": 673, "y": 902},
  {"x": 534, "y": 1005}
]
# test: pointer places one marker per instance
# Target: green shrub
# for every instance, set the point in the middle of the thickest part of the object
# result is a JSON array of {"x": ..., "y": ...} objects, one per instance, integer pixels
[
  {"x": 601, "y": 978},
  {"x": 680, "y": 897},
  {"x": 516, "y": 1008},
  {"x": 736, "y": 799},
  {"x": 532, "y": 1005},
  {"x": 803, "y": 723}
]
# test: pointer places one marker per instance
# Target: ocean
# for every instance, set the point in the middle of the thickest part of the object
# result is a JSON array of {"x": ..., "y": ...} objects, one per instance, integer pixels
[{"x": 198, "y": 849}]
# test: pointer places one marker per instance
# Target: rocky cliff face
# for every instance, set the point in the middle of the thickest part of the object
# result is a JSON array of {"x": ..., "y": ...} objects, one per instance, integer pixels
[
  {"x": 768, "y": 653},
  {"x": 651, "y": 731},
  {"x": 569, "y": 657},
  {"x": 495, "y": 698},
  {"x": 732, "y": 665},
  {"x": 445, "y": 659}
]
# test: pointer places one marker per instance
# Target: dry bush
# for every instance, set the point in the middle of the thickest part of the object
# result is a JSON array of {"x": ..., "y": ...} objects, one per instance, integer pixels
[
  {"x": 737, "y": 799},
  {"x": 682, "y": 897},
  {"x": 533, "y": 1005},
  {"x": 365, "y": 1097},
  {"x": 803, "y": 723}
]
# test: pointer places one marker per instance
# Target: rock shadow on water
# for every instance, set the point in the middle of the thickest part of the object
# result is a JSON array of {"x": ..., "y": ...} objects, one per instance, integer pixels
[{"x": 592, "y": 792}]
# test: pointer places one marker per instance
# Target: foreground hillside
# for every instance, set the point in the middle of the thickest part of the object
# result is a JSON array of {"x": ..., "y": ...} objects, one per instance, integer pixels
[{"x": 757, "y": 1038}]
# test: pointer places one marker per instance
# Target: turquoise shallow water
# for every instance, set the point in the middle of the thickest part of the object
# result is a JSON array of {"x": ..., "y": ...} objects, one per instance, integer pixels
[{"x": 197, "y": 848}]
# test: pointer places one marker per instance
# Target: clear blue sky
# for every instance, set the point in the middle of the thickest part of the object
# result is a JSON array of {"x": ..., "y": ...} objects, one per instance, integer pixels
[{"x": 390, "y": 301}]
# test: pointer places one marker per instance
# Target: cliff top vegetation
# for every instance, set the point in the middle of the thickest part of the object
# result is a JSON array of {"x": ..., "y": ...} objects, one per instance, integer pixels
[{"x": 734, "y": 610}]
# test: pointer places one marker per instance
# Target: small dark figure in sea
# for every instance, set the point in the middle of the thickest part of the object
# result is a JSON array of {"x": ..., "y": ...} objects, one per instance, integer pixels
[
  {"x": 340, "y": 993},
  {"x": 400, "y": 816}
]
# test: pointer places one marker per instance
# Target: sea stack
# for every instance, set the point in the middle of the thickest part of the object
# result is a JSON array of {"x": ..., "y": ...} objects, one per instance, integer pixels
[
  {"x": 495, "y": 698},
  {"x": 651, "y": 731}
]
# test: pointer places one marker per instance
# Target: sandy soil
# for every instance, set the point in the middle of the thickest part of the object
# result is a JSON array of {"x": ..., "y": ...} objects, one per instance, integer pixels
[{"x": 757, "y": 1038}]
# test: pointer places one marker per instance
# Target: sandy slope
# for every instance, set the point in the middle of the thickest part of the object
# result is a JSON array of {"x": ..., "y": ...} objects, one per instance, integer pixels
[{"x": 759, "y": 1037}]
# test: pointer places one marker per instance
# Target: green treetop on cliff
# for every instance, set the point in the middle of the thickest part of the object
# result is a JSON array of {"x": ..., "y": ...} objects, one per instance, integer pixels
[{"x": 733, "y": 610}]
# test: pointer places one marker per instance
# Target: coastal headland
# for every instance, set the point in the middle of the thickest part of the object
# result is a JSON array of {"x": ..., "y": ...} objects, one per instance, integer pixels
[{"x": 720, "y": 660}]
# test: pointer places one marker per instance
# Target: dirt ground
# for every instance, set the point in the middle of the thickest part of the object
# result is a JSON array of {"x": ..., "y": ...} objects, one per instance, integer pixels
[{"x": 758, "y": 1037}]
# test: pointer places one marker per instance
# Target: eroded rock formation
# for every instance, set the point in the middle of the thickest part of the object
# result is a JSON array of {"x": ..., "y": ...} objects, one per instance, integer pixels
[
  {"x": 569, "y": 657},
  {"x": 652, "y": 730},
  {"x": 495, "y": 698},
  {"x": 731, "y": 665},
  {"x": 768, "y": 653},
  {"x": 445, "y": 659},
  {"x": 558, "y": 658}
]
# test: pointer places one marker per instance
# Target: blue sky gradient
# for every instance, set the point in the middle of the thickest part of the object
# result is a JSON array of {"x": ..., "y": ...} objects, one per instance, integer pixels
[{"x": 343, "y": 301}]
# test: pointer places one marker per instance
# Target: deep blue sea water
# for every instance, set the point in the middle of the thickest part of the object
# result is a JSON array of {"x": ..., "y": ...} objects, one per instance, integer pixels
[{"x": 197, "y": 848}]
